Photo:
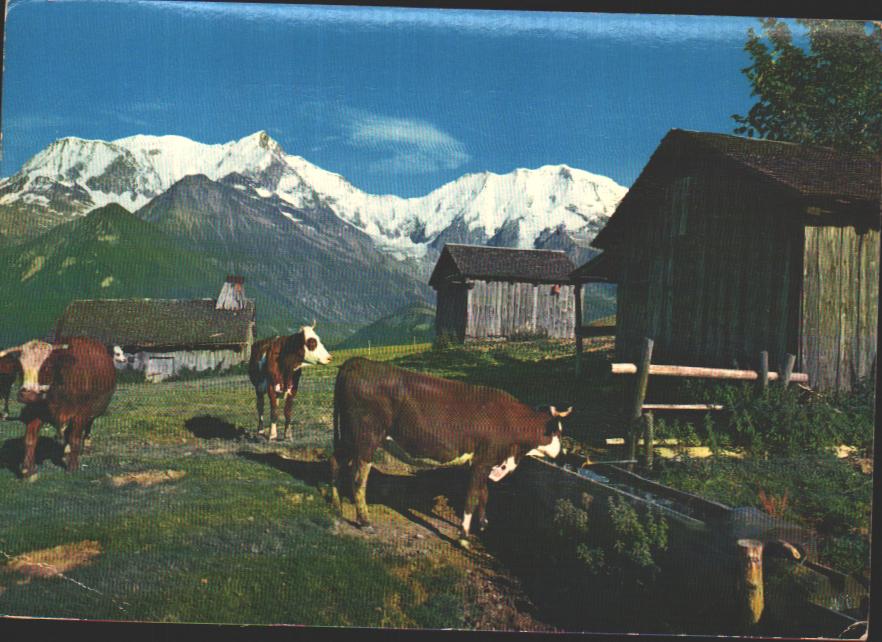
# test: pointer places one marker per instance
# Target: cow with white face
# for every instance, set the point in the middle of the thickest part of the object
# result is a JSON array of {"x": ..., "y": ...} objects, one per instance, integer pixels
[
  {"x": 66, "y": 385},
  {"x": 119, "y": 357},
  {"x": 275, "y": 368},
  {"x": 433, "y": 421}
]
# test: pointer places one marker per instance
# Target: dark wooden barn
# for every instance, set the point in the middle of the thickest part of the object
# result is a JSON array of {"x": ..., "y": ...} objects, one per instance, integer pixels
[
  {"x": 163, "y": 336},
  {"x": 728, "y": 246},
  {"x": 501, "y": 293}
]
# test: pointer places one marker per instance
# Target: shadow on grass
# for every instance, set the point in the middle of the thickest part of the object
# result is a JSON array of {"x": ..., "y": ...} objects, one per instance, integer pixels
[
  {"x": 210, "y": 427},
  {"x": 407, "y": 495},
  {"x": 12, "y": 453}
]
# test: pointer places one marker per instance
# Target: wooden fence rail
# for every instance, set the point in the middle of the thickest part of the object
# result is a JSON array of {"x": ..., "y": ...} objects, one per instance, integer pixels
[
  {"x": 705, "y": 373},
  {"x": 640, "y": 413}
]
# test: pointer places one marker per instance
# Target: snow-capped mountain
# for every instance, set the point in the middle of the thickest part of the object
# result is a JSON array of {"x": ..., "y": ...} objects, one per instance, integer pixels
[{"x": 520, "y": 209}]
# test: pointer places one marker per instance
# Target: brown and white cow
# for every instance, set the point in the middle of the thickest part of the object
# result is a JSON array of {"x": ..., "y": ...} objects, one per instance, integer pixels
[
  {"x": 10, "y": 370},
  {"x": 275, "y": 368},
  {"x": 437, "y": 420},
  {"x": 67, "y": 384}
]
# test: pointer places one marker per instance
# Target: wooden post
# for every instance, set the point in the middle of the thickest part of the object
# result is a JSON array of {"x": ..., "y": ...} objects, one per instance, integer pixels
[
  {"x": 764, "y": 370},
  {"x": 750, "y": 582},
  {"x": 577, "y": 292},
  {"x": 641, "y": 381},
  {"x": 648, "y": 437},
  {"x": 787, "y": 369}
]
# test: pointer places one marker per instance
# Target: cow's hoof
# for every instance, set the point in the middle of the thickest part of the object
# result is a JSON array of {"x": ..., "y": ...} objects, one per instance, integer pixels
[
  {"x": 464, "y": 543},
  {"x": 482, "y": 525},
  {"x": 4, "y": 416},
  {"x": 29, "y": 475},
  {"x": 367, "y": 528}
]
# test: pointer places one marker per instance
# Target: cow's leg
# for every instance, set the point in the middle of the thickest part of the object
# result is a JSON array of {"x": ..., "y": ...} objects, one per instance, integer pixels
[
  {"x": 260, "y": 400},
  {"x": 481, "y": 513},
  {"x": 274, "y": 414},
  {"x": 5, "y": 414},
  {"x": 289, "y": 405},
  {"x": 334, "y": 463},
  {"x": 75, "y": 440},
  {"x": 87, "y": 435},
  {"x": 359, "y": 492},
  {"x": 477, "y": 486},
  {"x": 32, "y": 434}
]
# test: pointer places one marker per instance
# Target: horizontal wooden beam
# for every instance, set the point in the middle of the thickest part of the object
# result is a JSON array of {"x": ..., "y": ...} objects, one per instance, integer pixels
[
  {"x": 706, "y": 373},
  {"x": 682, "y": 406},
  {"x": 595, "y": 330}
]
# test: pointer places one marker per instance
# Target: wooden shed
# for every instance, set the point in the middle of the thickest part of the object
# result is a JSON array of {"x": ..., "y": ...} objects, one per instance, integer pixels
[
  {"x": 501, "y": 293},
  {"x": 728, "y": 246},
  {"x": 163, "y": 336}
]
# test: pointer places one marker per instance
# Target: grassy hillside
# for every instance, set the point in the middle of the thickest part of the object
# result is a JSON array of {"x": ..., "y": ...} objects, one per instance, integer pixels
[
  {"x": 411, "y": 324},
  {"x": 111, "y": 254},
  {"x": 108, "y": 254}
]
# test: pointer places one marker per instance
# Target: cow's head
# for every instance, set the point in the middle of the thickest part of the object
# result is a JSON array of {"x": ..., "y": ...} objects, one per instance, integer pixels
[
  {"x": 32, "y": 355},
  {"x": 550, "y": 448},
  {"x": 314, "y": 352},
  {"x": 119, "y": 356}
]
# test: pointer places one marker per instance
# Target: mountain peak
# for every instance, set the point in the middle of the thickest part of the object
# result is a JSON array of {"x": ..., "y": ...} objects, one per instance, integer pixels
[{"x": 262, "y": 140}]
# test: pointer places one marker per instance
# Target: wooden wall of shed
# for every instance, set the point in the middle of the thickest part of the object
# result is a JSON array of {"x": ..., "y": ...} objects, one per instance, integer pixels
[
  {"x": 839, "y": 305},
  {"x": 197, "y": 360},
  {"x": 450, "y": 311},
  {"x": 499, "y": 309},
  {"x": 712, "y": 275}
]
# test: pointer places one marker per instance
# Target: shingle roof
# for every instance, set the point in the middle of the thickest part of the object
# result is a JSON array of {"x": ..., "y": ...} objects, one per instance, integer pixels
[
  {"x": 155, "y": 323},
  {"x": 807, "y": 169},
  {"x": 499, "y": 263},
  {"x": 804, "y": 171}
]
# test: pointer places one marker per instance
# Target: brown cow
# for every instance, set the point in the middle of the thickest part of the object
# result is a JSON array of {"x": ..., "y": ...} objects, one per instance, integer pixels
[
  {"x": 67, "y": 384},
  {"x": 9, "y": 372},
  {"x": 435, "y": 420},
  {"x": 275, "y": 367}
]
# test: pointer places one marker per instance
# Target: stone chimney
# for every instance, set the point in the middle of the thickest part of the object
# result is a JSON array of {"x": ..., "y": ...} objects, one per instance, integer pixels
[{"x": 232, "y": 295}]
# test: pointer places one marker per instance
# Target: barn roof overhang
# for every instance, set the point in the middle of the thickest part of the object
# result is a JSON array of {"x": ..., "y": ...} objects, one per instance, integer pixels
[
  {"x": 837, "y": 183},
  {"x": 603, "y": 268}
]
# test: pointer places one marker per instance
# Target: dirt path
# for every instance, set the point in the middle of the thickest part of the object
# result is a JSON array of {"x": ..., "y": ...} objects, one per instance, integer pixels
[{"x": 412, "y": 512}]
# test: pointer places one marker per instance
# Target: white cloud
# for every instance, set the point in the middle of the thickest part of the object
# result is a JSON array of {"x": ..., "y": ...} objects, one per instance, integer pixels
[{"x": 408, "y": 145}]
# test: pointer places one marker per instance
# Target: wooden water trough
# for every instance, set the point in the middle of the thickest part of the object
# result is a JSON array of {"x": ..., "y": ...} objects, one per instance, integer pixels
[{"x": 715, "y": 552}]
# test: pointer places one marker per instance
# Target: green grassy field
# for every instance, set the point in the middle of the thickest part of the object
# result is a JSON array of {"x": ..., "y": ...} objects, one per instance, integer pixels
[
  {"x": 234, "y": 538},
  {"x": 179, "y": 514}
]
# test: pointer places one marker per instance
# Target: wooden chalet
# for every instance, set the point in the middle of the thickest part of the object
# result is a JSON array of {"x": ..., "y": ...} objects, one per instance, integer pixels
[
  {"x": 502, "y": 293},
  {"x": 163, "y": 336},
  {"x": 728, "y": 246}
]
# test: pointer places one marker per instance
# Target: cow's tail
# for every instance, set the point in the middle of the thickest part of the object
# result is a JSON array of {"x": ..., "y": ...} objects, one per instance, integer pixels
[{"x": 338, "y": 390}]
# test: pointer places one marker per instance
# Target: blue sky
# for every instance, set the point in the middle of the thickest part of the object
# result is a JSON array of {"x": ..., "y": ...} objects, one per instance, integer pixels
[{"x": 396, "y": 100}]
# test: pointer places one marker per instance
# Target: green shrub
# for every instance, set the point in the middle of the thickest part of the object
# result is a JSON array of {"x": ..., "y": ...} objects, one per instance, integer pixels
[
  {"x": 786, "y": 421},
  {"x": 617, "y": 542}
]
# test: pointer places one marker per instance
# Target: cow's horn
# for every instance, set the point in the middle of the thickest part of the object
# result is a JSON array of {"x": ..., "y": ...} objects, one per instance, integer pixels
[
  {"x": 313, "y": 324},
  {"x": 556, "y": 413},
  {"x": 61, "y": 346},
  {"x": 3, "y": 353}
]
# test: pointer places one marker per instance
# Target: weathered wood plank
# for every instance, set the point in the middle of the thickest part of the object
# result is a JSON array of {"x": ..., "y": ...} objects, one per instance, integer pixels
[{"x": 700, "y": 372}]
